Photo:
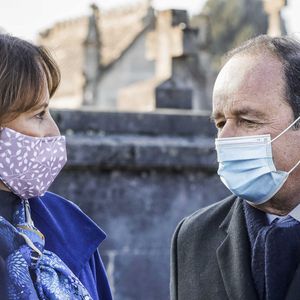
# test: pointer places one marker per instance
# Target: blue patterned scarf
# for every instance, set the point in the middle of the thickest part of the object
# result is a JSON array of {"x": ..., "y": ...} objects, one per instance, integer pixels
[{"x": 33, "y": 272}]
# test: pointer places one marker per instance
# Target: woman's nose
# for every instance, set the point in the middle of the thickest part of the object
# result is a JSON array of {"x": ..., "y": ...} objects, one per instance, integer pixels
[{"x": 52, "y": 129}]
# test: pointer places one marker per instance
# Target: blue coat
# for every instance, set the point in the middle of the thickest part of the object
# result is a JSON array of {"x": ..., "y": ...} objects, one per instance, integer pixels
[{"x": 74, "y": 237}]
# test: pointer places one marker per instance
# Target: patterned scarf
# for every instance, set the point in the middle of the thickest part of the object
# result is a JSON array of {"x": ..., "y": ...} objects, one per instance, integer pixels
[{"x": 33, "y": 272}]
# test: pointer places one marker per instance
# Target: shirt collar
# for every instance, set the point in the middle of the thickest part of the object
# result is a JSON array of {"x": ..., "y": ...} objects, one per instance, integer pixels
[{"x": 295, "y": 213}]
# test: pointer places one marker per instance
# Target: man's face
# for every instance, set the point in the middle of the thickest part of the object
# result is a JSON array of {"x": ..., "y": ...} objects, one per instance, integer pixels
[{"x": 249, "y": 99}]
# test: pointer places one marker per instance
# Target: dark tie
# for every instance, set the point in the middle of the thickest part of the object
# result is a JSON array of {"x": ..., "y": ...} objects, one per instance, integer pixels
[{"x": 275, "y": 257}]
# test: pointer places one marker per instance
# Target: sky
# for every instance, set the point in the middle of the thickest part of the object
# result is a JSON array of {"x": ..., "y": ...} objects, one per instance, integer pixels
[
  {"x": 291, "y": 15},
  {"x": 25, "y": 18}
]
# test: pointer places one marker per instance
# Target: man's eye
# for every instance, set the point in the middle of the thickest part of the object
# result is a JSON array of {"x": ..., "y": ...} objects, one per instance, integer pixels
[
  {"x": 220, "y": 124},
  {"x": 41, "y": 115},
  {"x": 248, "y": 123}
]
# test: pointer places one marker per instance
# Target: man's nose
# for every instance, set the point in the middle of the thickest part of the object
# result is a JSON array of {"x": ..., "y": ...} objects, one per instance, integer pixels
[{"x": 229, "y": 129}]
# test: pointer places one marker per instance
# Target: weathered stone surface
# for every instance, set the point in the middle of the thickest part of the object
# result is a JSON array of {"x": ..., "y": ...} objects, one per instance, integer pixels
[
  {"x": 141, "y": 263},
  {"x": 179, "y": 17},
  {"x": 139, "y": 211},
  {"x": 173, "y": 97},
  {"x": 141, "y": 152},
  {"x": 137, "y": 184},
  {"x": 151, "y": 124}
]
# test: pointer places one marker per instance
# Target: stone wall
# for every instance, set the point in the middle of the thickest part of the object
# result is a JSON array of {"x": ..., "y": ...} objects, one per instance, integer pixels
[{"x": 137, "y": 176}]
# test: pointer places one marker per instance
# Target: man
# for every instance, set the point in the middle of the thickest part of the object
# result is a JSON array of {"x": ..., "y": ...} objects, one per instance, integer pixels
[{"x": 248, "y": 245}]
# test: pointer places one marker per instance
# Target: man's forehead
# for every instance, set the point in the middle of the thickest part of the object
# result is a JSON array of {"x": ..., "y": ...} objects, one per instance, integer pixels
[
  {"x": 248, "y": 85},
  {"x": 249, "y": 72}
]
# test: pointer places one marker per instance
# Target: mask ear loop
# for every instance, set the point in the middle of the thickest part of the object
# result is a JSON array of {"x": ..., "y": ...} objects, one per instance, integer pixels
[
  {"x": 285, "y": 130},
  {"x": 280, "y": 134},
  {"x": 293, "y": 168}
]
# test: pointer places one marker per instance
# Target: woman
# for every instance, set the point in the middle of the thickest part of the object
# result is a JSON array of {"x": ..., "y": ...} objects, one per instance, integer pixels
[{"x": 48, "y": 247}]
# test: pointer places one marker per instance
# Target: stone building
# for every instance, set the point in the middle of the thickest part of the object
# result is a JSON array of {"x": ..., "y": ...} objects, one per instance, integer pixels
[
  {"x": 139, "y": 59},
  {"x": 94, "y": 46},
  {"x": 113, "y": 60}
]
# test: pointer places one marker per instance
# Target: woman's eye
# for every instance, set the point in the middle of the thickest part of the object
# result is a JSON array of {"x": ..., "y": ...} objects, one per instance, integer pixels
[{"x": 41, "y": 115}]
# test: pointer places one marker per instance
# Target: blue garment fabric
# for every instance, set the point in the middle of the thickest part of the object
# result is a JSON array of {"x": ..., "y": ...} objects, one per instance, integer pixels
[
  {"x": 74, "y": 238},
  {"x": 275, "y": 253},
  {"x": 33, "y": 272}
]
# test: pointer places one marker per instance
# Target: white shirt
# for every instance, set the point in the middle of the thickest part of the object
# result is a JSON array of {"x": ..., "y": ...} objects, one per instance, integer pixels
[{"x": 295, "y": 213}]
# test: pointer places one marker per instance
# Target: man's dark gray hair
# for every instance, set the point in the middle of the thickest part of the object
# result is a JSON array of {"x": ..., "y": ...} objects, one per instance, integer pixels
[{"x": 287, "y": 50}]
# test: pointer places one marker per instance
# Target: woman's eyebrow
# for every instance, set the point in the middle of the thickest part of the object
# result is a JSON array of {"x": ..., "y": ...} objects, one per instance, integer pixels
[{"x": 37, "y": 107}]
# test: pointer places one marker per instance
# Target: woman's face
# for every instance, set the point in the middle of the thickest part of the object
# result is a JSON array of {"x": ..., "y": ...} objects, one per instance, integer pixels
[{"x": 37, "y": 122}]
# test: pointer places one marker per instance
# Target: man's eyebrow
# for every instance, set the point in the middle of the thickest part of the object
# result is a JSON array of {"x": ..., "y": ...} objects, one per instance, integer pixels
[
  {"x": 239, "y": 112},
  {"x": 215, "y": 115},
  {"x": 248, "y": 111}
]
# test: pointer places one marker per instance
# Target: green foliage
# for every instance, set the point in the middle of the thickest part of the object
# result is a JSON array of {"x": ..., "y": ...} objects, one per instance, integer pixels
[{"x": 231, "y": 22}]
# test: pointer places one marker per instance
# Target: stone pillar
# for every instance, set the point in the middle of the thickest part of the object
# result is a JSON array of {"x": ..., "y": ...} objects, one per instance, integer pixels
[
  {"x": 176, "y": 84},
  {"x": 273, "y": 9},
  {"x": 91, "y": 68},
  {"x": 204, "y": 43},
  {"x": 172, "y": 47},
  {"x": 166, "y": 41}
]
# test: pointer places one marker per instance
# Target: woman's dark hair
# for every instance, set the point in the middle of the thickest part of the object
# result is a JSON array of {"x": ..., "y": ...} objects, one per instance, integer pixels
[
  {"x": 287, "y": 50},
  {"x": 24, "y": 71}
]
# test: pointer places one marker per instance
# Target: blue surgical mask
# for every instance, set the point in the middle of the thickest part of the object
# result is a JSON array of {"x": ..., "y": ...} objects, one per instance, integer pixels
[{"x": 247, "y": 169}]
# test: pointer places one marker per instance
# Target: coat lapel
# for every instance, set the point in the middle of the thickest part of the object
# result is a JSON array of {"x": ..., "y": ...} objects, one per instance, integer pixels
[{"x": 234, "y": 256}]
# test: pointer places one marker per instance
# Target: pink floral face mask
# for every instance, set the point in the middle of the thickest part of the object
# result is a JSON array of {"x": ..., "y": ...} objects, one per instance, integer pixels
[{"x": 29, "y": 165}]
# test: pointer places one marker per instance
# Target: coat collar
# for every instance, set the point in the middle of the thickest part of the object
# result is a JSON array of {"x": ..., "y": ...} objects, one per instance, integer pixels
[
  {"x": 68, "y": 232},
  {"x": 234, "y": 256}
]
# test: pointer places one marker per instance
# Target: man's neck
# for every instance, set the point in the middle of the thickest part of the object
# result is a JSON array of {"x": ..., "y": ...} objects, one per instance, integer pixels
[{"x": 276, "y": 207}]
